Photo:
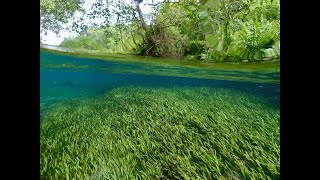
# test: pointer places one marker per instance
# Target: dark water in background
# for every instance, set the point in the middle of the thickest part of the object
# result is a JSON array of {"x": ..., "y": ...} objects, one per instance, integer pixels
[{"x": 65, "y": 77}]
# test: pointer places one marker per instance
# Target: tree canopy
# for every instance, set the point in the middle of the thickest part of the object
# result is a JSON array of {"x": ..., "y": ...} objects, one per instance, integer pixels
[
  {"x": 54, "y": 13},
  {"x": 218, "y": 30}
]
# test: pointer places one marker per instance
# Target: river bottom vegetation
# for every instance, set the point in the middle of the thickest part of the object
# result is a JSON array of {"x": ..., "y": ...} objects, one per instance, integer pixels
[{"x": 162, "y": 133}]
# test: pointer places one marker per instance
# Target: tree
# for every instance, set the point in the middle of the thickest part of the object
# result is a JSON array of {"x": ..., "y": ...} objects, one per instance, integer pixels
[
  {"x": 202, "y": 29},
  {"x": 55, "y": 13}
]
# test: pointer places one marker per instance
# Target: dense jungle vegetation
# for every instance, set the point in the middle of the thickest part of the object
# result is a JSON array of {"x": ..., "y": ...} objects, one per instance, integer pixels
[{"x": 210, "y": 30}]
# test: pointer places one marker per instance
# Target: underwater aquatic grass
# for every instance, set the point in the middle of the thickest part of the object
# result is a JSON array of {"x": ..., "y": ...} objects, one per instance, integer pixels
[{"x": 161, "y": 133}]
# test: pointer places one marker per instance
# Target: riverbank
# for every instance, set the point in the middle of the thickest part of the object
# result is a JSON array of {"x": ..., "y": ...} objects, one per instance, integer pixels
[{"x": 269, "y": 65}]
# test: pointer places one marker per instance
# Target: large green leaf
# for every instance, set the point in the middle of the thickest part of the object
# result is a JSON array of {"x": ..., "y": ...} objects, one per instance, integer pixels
[{"x": 274, "y": 51}]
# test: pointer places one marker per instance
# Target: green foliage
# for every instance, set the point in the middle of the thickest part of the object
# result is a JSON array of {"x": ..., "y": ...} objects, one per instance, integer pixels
[
  {"x": 145, "y": 133},
  {"x": 54, "y": 13},
  {"x": 106, "y": 38},
  {"x": 129, "y": 43},
  {"x": 103, "y": 38},
  {"x": 255, "y": 37},
  {"x": 273, "y": 52},
  {"x": 161, "y": 39},
  {"x": 197, "y": 49},
  {"x": 85, "y": 42},
  {"x": 269, "y": 10},
  {"x": 237, "y": 30},
  {"x": 210, "y": 30}
]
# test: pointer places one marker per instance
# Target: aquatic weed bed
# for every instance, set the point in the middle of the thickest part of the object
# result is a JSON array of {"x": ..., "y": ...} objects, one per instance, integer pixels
[{"x": 161, "y": 133}]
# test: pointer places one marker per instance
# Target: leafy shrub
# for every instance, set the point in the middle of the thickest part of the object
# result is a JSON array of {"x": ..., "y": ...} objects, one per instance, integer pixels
[
  {"x": 162, "y": 40},
  {"x": 255, "y": 36}
]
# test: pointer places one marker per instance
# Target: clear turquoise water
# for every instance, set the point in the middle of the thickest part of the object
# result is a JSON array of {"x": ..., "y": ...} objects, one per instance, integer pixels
[
  {"x": 66, "y": 77},
  {"x": 154, "y": 120}
]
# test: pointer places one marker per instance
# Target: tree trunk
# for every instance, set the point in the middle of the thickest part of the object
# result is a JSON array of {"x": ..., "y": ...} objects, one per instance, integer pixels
[{"x": 142, "y": 22}]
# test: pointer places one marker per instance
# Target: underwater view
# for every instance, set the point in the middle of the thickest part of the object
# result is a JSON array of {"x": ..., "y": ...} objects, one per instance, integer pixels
[{"x": 109, "y": 118}]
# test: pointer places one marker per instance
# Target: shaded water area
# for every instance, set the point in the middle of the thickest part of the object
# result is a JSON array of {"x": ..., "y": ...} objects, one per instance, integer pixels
[{"x": 68, "y": 83}]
